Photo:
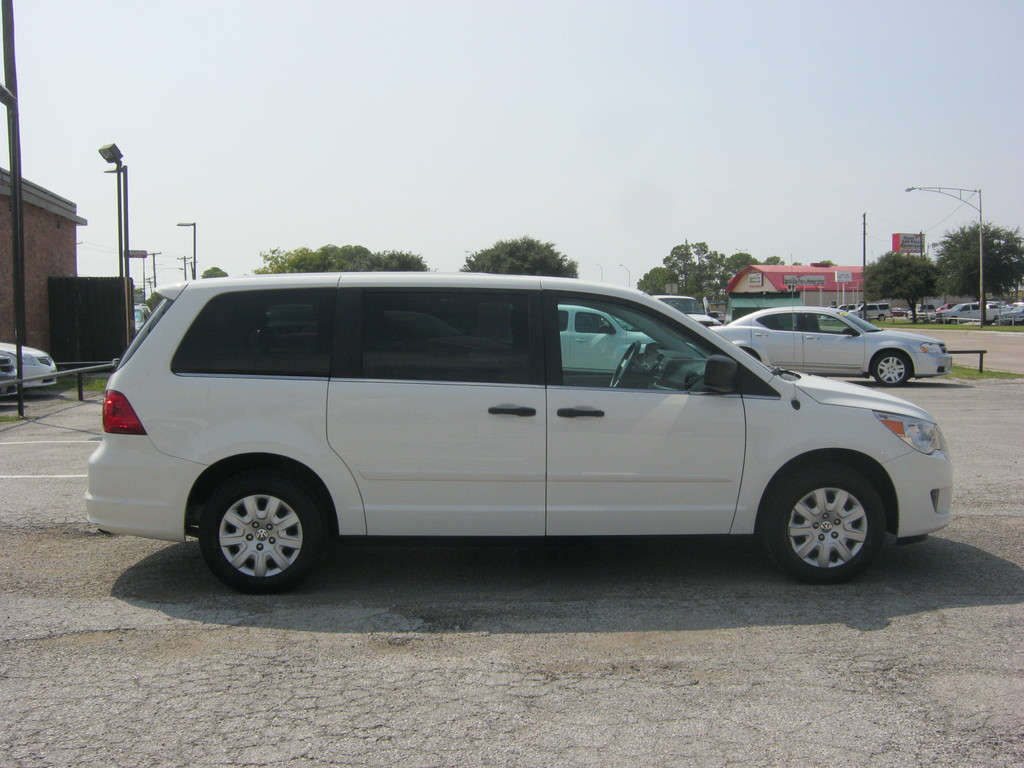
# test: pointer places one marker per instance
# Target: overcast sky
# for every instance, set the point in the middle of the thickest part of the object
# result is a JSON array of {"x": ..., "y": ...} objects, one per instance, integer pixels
[{"x": 614, "y": 130}]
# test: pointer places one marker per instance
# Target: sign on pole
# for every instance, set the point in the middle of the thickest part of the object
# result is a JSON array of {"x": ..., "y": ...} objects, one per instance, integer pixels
[
  {"x": 907, "y": 243},
  {"x": 844, "y": 277},
  {"x": 138, "y": 254}
]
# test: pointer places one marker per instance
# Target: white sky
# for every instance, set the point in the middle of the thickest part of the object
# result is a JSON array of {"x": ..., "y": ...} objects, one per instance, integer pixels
[{"x": 615, "y": 130}]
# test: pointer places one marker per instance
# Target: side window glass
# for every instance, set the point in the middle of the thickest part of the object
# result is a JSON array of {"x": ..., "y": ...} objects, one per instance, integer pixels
[
  {"x": 645, "y": 351},
  {"x": 780, "y": 322},
  {"x": 283, "y": 332},
  {"x": 589, "y": 322},
  {"x": 446, "y": 336},
  {"x": 829, "y": 324}
]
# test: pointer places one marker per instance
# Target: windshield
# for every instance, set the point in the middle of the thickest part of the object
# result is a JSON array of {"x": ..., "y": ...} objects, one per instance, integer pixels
[
  {"x": 685, "y": 304},
  {"x": 859, "y": 323}
]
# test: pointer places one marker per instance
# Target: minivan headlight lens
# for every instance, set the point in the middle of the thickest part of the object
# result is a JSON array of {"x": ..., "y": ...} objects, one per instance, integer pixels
[{"x": 921, "y": 435}]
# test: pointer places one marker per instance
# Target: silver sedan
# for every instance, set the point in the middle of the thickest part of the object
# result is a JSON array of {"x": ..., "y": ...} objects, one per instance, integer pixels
[{"x": 830, "y": 342}]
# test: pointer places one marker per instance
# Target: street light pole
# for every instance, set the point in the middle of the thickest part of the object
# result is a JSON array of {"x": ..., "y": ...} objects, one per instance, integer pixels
[
  {"x": 193, "y": 225},
  {"x": 112, "y": 154},
  {"x": 629, "y": 275},
  {"x": 948, "y": 192}
]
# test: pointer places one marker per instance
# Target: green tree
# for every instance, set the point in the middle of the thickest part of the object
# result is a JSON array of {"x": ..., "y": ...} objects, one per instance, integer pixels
[
  {"x": 958, "y": 260},
  {"x": 654, "y": 282},
  {"x": 214, "y": 272},
  {"x": 701, "y": 271},
  {"x": 333, "y": 258},
  {"x": 775, "y": 261},
  {"x": 525, "y": 256},
  {"x": 737, "y": 262},
  {"x": 907, "y": 276}
]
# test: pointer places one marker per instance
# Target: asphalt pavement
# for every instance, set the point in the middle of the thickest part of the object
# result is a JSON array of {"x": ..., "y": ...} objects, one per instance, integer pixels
[{"x": 624, "y": 652}]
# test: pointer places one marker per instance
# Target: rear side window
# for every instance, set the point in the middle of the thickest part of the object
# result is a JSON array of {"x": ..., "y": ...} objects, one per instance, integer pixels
[
  {"x": 285, "y": 332},
  {"x": 780, "y": 322},
  {"x": 446, "y": 336}
]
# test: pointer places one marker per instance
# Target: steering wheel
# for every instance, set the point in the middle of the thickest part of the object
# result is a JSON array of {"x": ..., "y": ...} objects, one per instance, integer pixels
[{"x": 632, "y": 351}]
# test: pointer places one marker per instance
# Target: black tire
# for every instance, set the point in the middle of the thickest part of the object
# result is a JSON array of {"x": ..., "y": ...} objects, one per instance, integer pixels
[
  {"x": 892, "y": 368},
  {"x": 797, "y": 524},
  {"x": 260, "y": 533}
]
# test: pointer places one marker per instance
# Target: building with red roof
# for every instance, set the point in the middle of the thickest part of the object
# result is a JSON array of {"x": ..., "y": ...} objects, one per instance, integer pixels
[{"x": 760, "y": 286}]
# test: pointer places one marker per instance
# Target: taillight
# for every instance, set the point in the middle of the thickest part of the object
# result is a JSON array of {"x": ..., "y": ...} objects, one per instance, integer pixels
[{"x": 119, "y": 417}]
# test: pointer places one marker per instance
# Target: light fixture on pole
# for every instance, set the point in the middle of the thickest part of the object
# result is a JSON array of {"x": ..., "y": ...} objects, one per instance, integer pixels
[
  {"x": 948, "y": 192},
  {"x": 629, "y": 275},
  {"x": 112, "y": 154},
  {"x": 193, "y": 225}
]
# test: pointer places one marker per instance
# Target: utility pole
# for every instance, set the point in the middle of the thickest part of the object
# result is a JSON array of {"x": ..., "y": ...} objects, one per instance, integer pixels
[
  {"x": 864, "y": 266},
  {"x": 154, "y": 255}
]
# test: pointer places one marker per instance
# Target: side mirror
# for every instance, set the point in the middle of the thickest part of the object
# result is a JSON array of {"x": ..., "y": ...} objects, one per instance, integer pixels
[
  {"x": 720, "y": 374},
  {"x": 850, "y": 331}
]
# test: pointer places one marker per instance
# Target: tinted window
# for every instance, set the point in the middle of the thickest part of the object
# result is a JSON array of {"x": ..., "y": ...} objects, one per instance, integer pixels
[
  {"x": 446, "y": 336},
  {"x": 780, "y": 322},
  {"x": 283, "y": 332}
]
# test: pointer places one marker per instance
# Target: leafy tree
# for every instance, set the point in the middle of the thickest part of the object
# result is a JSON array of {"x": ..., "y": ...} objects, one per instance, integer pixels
[
  {"x": 958, "y": 260},
  {"x": 333, "y": 258},
  {"x": 700, "y": 270},
  {"x": 737, "y": 262},
  {"x": 775, "y": 261},
  {"x": 654, "y": 282},
  {"x": 214, "y": 272},
  {"x": 525, "y": 256},
  {"x": 908, "y": 276}
]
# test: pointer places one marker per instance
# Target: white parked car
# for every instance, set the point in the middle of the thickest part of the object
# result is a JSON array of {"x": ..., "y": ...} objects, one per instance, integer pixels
[
  {"x": 835, "y": 343},
  {"x": 690, "y": 306},
  {"x": 969, "y": 311},
  {"x": 8, "y": 373},
  {"x": 34, "y": 362},
  {"x": 1012, "y": 315},
  {"x": 265, "y": 415}
]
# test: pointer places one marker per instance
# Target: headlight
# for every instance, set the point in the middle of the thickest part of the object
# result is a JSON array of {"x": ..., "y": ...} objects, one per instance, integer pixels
[
  {"x": 932, "y": 347},
  {"x": 923, "y": 436}
]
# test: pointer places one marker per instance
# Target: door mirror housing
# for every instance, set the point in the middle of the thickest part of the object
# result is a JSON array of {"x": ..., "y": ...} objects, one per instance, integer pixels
[{"x": 720, "y": 375}]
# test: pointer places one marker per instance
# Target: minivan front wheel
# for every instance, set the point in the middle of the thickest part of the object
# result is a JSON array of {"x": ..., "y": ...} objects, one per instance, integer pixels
[
  {"x": 892, "y": 368},
  {"x": 823, "y": 526},
  {"x": 261, "y": 533}
]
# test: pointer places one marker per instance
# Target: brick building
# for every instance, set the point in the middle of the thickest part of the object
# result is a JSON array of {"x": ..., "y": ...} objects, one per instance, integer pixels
[{"x": 51, "y": 228}]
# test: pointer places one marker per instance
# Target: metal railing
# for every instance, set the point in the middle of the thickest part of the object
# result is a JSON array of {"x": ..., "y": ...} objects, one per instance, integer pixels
[{"x": 88, "y": 367}]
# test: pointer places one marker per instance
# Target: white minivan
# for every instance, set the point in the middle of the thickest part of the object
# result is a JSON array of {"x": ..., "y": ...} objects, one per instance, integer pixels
[{"x": 265, "y": 415}]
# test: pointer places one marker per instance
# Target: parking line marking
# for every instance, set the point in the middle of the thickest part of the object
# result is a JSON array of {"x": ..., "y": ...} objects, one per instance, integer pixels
[
  {"x": 39, "y": 477},
  {"x": 44, "y": 442}
]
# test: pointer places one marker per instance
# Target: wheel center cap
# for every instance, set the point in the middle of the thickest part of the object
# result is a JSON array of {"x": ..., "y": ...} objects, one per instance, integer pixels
[
  {"x": 261, "y": 535},
  {"x": 826, "y": 526}
]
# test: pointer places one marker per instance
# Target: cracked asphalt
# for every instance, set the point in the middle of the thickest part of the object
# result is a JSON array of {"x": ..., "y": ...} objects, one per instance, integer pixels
[{"x": 625, "y": 652}]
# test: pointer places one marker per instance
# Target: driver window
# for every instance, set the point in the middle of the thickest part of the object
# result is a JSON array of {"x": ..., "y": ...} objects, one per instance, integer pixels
[
  {"x": 589, "y": 322},
  {"x": 630, "y": 348},
  {"x": 830, "y": 324}
]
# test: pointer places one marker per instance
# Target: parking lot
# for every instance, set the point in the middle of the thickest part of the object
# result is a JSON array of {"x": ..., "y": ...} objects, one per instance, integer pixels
[{"x": 641, "y": 652}]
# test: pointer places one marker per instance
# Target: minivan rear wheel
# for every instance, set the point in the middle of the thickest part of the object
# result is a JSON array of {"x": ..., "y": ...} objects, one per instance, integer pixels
[
  {"x": 261, "y": 533},
  {"x": 823, "y": 526}
]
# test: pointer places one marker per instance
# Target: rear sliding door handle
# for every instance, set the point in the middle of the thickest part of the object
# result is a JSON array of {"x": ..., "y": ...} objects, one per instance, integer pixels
[
  {"x": 575, "y": 413},
  {"x": 511, "y": 410}
]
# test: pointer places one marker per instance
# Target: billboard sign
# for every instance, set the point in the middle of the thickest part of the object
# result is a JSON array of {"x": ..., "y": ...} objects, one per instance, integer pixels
[
  {"x": 803, "y": 279},
  {"x": 844, "y": 277},
  {"x": 906, "y": 243}
]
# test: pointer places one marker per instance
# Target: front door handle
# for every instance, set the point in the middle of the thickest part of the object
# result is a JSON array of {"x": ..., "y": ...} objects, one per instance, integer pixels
[
  {"x": 574, "y": 413},
  {"x": 512, "y": 410}
]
